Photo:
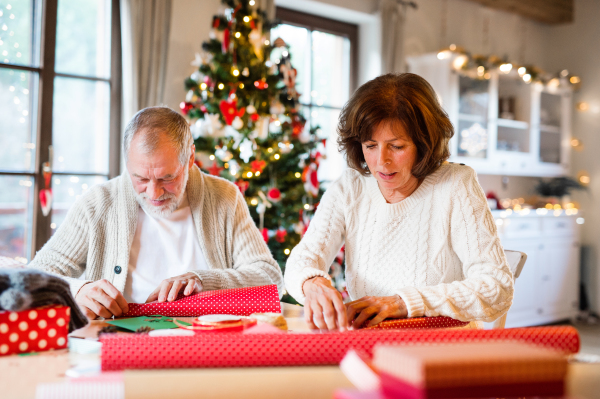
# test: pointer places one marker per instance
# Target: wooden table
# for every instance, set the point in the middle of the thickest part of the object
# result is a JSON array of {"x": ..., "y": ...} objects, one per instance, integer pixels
[{"x": 19, "y": 375}]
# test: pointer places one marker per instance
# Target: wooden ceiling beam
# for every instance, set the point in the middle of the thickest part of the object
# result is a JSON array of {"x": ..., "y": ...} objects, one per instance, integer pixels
[{"x": 547, "y": 11}]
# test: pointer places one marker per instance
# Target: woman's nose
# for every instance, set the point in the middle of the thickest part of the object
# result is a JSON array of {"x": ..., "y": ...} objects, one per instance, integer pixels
[{"x": 383, "y": 156}]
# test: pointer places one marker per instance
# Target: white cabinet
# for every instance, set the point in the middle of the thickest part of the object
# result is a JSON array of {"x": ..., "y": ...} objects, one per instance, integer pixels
[
  {"x": 548, "y": 288},
  {"x": 502, "y": 124}
]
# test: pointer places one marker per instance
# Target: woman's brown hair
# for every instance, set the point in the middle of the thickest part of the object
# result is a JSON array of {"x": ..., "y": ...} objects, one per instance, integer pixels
[{"x": 406, "y": 98}]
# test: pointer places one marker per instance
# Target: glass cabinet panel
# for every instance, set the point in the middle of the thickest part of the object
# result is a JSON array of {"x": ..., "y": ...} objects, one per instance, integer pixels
[
  {"x": 474, "y": 96},
  {"x": 550, "y": 127}
]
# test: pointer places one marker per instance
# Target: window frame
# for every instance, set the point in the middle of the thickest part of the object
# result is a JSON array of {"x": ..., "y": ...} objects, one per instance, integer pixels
[
  {"x": 40, "y": 224},
  {"x": 322, "y": 24}
]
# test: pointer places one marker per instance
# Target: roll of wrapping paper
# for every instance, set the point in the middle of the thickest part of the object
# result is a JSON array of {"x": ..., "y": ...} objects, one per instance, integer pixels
[
  {"x": 235, "y": 301},
  {"x": 121, "y": 352},
  {"x": 419, "y": 323}
]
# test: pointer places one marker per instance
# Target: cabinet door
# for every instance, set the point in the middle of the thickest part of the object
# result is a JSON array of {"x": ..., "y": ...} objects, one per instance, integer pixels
[
  {"x": 559, "y": 271},
  {"x": 526, "y": 304}
]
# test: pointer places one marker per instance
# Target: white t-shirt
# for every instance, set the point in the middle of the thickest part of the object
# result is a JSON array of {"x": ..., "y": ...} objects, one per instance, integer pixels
[{"x": 162, "y": 248}]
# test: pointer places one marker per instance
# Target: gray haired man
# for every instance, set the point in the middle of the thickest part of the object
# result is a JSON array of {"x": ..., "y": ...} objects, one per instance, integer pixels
[{"x": 160, "y": 229}]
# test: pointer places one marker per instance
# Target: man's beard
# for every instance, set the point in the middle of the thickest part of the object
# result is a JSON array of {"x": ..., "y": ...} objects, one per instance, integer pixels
[{"x": 171, "y": 204}]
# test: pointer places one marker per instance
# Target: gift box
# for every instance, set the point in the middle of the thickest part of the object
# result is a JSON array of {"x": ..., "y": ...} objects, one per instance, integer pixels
[
  {"x": 463, "y": 370},
  {"x": 419, "y": 323},
  {"x": 299, "y": 349},
  {"x": 235, "y": 301},
  {"x": 34, "y": 330}
]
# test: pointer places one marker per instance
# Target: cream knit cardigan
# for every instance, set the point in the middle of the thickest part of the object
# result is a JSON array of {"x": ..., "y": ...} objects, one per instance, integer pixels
[
  {"x": 438, "y": 248},
  {"x": 97, "y": 233}
]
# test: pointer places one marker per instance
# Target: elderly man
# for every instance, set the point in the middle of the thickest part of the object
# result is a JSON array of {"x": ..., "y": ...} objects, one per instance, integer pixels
[{"x": 160, "y": 229}]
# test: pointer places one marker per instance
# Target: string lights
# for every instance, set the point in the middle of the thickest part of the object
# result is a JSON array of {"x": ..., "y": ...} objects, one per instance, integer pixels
[{"x": 482, "y": 66}]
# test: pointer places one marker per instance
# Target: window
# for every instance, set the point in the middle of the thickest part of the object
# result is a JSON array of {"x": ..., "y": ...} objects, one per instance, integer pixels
[
  {"x": 60, "y": 91},
  {"x": 323, "y": 51}
]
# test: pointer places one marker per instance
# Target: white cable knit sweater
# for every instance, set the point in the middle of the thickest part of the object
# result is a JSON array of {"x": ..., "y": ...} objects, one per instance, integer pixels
[
  {"x": 438, "y": 248},
  {"x": 97, "y": 233}
]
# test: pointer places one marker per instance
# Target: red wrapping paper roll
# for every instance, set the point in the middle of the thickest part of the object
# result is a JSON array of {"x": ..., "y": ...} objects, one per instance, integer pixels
[
  {"x": 235, "y": 301},
  {"x": 419, "y": 323},
  {"x": 121, "y": 352}
]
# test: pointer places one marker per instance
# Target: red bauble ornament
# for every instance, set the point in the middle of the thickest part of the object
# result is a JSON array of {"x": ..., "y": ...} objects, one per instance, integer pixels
[
  {"x": 280, "y": 235},
  {"x": 265, "y": 234},
  {"x": 274, "y": 195},
  {"x": 230, "y": 111},
  {"x": 261, "y": 84},
  {"x": 297, "y": 126},
  {"x": 258, "y": 166},
  {"x": 254, "y": 117},
  {"x": 242, "y": 185},
  {"x": 186, "y": 107}
]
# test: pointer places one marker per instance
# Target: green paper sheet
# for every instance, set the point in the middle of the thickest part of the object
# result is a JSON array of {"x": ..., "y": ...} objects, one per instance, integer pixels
[{"x": 154, "y": 322}]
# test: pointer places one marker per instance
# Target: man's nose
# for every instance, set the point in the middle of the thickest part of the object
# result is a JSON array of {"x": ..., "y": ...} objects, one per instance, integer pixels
[{"x": 154, "y": 190}]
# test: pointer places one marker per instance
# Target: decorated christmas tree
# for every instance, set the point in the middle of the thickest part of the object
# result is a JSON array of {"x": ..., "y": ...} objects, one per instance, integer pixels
[{"x": 248, "y": 124}]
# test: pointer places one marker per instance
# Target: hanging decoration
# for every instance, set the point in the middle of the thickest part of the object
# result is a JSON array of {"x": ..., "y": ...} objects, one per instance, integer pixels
[{"x": 480, "y": 67}]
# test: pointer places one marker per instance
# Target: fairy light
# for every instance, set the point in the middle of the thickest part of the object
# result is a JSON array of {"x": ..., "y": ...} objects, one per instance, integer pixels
[
  {"x": 505, "y": 68},
  {"x": 574, "y": 80},
  {"x": 306, "y": 206},
  {"x": 251, "y": 2},
  {"x": 522, "y": 71},
  {"x": 257, "y": 173},
  {"x": 480, "y": 70},
  {"x": 246, "y": 19},
  {"x": 249, "y": 174},
  {"x": 235, "y": 72},
  {"x": 203, "y": 86},
  {"x": 212, "y": 157},
  {"x": 276, "y": 156},
  {"x": 298, "y": 175},
  {"x": 267, "y": 42},
  {"x": 254, "y": 201},
  {"x": 527, "y": 78},
  {"x": 238, "y": 35},
  {"x": 286, "y": 251},
  {"x": 221, "y": 86},
  {"x": 241, "y": 85}
]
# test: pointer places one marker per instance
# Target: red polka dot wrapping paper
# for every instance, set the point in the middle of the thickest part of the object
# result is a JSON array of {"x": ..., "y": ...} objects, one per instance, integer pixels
[
  {"x": 235, "y": 301},
  {"x": 121, "y": 352},
  {"x": 34, "y": 330},
  {"x": 419, "y": 323}
]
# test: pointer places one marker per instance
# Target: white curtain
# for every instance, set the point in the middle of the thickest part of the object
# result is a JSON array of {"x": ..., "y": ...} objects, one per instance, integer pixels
[
  {"x": 145, "y": 27},
  {"x": 393, "y": 16}
]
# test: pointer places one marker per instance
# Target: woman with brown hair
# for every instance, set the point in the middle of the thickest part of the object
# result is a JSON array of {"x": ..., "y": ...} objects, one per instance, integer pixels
[{"x": 419, "y": 237}]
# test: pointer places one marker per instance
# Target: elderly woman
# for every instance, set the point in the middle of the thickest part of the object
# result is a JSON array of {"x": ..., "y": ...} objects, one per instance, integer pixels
[{"x": 420, "y": 239}]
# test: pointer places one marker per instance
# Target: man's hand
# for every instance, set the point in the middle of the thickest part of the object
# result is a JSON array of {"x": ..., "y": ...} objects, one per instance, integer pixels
[
  {"x": 169, "y": 289},
  {"x": 101, "y": 298},
  {"x": 375, "y": 308},
  {"x": 323, "y": 307}
]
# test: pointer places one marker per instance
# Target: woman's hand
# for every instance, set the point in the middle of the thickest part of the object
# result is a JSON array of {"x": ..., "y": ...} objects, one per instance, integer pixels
[
  {"x": 169, "y": 289},
  {"x": 323, "y": 307},
  {"x": 375, "y": 308}
]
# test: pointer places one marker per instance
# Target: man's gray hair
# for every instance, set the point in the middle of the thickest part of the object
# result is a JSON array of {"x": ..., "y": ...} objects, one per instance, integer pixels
[{"x": 155, "y": 122}]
